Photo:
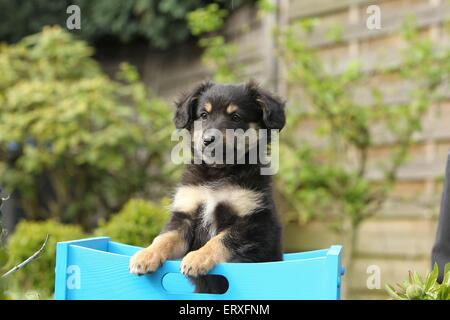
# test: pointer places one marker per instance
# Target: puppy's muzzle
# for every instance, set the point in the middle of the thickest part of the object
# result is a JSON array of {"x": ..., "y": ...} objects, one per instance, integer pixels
[{"x": 208, "y": 139}]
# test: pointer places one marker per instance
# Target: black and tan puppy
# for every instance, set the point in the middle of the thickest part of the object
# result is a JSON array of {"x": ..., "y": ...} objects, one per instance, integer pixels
[{"x": 220, "y": 213}]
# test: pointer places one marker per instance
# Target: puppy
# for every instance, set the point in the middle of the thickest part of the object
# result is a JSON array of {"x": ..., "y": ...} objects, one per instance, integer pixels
[{"x": 220, "y": 212}]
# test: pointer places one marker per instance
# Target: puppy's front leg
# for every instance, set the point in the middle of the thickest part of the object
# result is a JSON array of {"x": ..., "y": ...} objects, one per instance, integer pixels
[
  {"x": 168, "y": 245},
  {"x": 201, "y": 261}
]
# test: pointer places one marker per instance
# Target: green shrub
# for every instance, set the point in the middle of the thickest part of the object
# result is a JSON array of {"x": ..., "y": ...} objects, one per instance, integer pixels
[
  {"x": 415, "y": 288},
  {"x": 28, "y": 237},
  {"x": 75, "y": 144},
  {"x": 137, "y": 223},
  {"x": 161, "y": 22},
  {"x": 207, "y": 19}
]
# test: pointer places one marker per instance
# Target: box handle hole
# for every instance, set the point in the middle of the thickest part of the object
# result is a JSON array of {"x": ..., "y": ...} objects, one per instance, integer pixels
[{"x": 178, "y": 283}]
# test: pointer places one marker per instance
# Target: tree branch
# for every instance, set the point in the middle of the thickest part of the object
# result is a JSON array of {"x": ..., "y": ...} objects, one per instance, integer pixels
[{"x": 24, "y": 263}]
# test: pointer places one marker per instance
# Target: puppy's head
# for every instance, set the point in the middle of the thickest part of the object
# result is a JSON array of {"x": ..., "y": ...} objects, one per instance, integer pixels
[{"x": 211, "y": 110}]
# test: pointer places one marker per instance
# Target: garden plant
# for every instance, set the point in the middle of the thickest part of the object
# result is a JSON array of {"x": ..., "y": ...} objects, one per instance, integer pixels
[
  {"x": 417, "y": 288},
  {"x": 76, "y": 144}
]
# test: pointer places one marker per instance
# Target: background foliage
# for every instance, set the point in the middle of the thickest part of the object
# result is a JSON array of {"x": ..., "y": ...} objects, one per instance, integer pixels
[
  {"x": 137, "y": 223},
  {"x": 327, "y": 171},
  {"x": 160, "y": 22},
  {"x": 219, "y": 55},
  {"x": 88, "y": 142}
]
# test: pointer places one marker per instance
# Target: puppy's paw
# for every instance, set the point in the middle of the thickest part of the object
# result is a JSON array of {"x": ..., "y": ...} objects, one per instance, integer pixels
[
  {"x": 145, "y": 261},
  {"x": 196, "y": 263}
]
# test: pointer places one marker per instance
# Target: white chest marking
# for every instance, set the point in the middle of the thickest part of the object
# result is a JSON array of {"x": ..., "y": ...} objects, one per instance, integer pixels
[{"x": 243, "y": 201}]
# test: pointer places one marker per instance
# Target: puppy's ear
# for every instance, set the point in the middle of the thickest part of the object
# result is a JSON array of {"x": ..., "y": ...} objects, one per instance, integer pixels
[
  {"x": 186, "y": 106},
  {"x": 271, "y": 106}
]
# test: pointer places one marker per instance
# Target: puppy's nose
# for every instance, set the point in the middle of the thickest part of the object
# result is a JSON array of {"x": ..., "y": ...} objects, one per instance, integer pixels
[{"x": 208, "y": 139}]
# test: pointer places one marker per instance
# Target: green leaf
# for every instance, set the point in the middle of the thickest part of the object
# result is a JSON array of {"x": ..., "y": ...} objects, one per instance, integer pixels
[
  {"x": 392, "y": 293},
  {"x": 417, "y": 278},
  {"x": 446, "y": 279},
  {"x": 444, "y": 292},
  {"x": 207, "y": 19},
  {"x": 432, "y": 278}
]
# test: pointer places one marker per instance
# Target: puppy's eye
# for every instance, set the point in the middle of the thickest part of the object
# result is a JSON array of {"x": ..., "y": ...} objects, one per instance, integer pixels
[
  {"x": 235, "y": 117},
  {"x": 204, "y": 115}
]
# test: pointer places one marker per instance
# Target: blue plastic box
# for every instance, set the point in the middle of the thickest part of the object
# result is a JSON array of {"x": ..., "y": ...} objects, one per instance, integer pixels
[{"x": 97, "y": 268}]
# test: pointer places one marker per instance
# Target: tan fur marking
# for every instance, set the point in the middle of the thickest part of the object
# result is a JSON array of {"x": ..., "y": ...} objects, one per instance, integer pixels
[
  {"x": 201, "y": 261},
  {"x": 253, "y": 125},
  {"x": 231, "y": 108},
  {"x": 168, "y": 245},
  {"x": 208, "y": 107},
  {"x": 171, "y": 244}
]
